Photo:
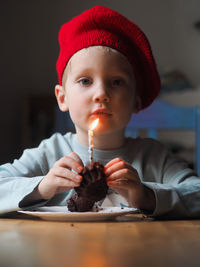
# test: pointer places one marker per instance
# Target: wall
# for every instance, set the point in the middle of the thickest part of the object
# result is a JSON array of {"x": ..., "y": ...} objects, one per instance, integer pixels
[{"x": 29, "y": 49}]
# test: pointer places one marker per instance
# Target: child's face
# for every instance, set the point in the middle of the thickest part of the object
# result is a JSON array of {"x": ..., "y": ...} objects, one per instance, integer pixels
[{"x": 99, "y": 82}]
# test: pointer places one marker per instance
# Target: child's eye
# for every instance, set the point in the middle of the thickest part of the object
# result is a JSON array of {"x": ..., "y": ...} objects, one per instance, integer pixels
[
  {"x": 117, "y": 82},
  {"x": 84, "y": 81}
]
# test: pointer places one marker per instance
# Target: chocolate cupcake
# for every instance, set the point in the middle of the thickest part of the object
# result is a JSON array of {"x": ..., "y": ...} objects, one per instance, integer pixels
[{"x": 93, "y": 188}]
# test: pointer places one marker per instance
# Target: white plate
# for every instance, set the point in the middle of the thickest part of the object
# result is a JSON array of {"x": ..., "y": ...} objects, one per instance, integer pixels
[{"x": 60, "y": 213}]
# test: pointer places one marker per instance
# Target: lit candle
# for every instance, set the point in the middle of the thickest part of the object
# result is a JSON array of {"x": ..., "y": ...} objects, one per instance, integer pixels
[{"x": 90, "y": 138}]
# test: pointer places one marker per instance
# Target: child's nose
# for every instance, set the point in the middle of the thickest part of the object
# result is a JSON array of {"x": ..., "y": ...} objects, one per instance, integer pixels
[{"x": 101, "y": 95}]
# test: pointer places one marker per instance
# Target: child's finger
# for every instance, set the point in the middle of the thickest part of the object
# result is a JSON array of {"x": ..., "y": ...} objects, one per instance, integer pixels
[
  {"x": 113, "y": 161},
  {"x": 120, "y": 184},
  {"x": 119, "y": 181},
  {"x": 124, "y": 174},
  {"x": 61, "y": 183},
  {"x": 76, "y": 157},
  {"x": 119, "y": 165},
  {"x": 69, "y": 163},
  {"x": 67, "y": 174}
]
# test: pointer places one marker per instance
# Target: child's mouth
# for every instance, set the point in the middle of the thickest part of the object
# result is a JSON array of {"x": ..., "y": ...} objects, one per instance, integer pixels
[{"x": 101, "y": 112}]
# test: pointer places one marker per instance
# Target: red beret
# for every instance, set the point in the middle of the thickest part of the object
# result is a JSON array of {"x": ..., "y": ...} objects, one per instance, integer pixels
[{"x": 103, "y": 26}]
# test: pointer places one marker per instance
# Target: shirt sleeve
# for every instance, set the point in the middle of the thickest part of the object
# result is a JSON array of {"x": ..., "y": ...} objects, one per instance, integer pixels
[
  {"x": 19, "y": 179},
  {"x": 176, "y": 187}
]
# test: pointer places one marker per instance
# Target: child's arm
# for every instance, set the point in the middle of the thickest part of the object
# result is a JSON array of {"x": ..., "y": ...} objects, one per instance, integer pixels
[
  {"x": 19, "y": 180},
  {"x": 124, "y": 179},
  {"x": 59, "y": 179}
]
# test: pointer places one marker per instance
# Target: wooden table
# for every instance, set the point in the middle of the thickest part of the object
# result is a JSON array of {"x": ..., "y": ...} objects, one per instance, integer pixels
[{"x": 136, "y": 242}]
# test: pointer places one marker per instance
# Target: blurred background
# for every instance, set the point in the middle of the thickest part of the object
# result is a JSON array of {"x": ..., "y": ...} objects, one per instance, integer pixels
[{"x": 29, "y": 50}]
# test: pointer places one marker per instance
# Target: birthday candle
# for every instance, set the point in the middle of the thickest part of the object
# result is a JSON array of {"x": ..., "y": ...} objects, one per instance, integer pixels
[
  {"x": 90, "y": 135},
  {"x": 90, "y": 139}
]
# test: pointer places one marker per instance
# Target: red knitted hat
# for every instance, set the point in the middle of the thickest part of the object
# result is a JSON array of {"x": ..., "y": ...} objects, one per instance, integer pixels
[{"x": 103, "y": 26}]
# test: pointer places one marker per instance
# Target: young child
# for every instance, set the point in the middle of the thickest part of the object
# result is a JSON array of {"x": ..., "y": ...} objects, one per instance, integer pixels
[{"x": 106, "y": 69}]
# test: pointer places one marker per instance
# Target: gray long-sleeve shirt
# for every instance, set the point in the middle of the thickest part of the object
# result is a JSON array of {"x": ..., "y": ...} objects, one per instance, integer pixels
[{"x": 176, "y": 187}]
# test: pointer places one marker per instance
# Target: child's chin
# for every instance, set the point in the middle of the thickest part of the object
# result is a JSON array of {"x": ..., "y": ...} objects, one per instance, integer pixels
[
  {"x": 104, "y": 125},
  {"x": 104, "y": 131}
]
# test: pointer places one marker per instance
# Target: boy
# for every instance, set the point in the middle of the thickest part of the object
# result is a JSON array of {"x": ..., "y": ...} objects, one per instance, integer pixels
[{"x": 105, "y": 70}]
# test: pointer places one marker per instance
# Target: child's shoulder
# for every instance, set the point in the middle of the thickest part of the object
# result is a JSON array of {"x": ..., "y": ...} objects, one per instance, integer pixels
[
  {"x": 144, "y": 140},
  {"x": 57, "y": 141},
  {"x": 146, "y": 144},
  {"x": 59, "y": 138}
]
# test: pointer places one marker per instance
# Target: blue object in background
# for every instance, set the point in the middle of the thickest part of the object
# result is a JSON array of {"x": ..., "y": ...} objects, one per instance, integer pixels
[{"x": 165, "y": 116}]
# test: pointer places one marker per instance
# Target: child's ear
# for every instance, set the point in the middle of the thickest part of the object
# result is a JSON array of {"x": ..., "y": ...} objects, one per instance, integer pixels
[
  {"x": 61, "y": 97},
  {"x": 138, "y": 105}
]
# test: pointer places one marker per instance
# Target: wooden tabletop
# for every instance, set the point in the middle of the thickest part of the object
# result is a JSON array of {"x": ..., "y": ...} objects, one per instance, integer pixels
[{"x": 136, "y": 242}]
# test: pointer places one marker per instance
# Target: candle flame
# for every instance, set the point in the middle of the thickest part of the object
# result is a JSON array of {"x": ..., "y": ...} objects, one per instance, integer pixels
[{"x": 94, "y": 124}]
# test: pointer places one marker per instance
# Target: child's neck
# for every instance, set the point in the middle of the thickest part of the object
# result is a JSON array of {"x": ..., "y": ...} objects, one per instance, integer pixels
[{"x": 104, "y": 141}]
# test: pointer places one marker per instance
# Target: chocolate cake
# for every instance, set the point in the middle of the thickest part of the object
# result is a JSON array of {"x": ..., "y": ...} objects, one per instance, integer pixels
[{"x": 93, "y": 188}]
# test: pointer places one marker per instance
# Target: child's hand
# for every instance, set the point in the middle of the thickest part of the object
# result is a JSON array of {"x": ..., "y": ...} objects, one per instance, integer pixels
[
  {"x": 124, "y": 179},
  {"x": 61, "y": 178}
]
